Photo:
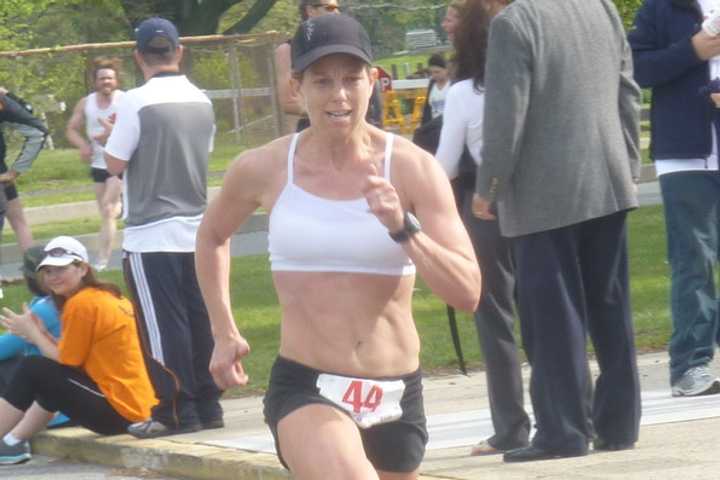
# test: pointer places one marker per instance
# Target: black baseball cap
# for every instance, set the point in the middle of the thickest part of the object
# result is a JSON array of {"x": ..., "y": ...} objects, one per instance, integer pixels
[
  {"x": 156, "y": 27},
  {"x": 327, "y": 34}
]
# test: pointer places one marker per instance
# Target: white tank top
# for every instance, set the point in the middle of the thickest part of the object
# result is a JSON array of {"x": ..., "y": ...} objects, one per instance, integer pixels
[
  {"x": 93, "y": 127},
  {"x": 308, "y": 233}
]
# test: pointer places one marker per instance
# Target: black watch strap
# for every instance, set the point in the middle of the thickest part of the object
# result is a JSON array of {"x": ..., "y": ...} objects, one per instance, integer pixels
[
  {"x": 400, "y": 237},
  {"x": 411, "y": 226}
]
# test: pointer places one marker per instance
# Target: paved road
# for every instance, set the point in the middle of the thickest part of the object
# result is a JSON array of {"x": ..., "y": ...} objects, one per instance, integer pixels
[
  {"x": 40, "y": 468},
  {"x": 649, "y": 194}
]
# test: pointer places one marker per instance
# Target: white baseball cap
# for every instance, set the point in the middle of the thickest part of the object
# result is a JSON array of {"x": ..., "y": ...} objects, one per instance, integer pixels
[{"x": 63, "y": 250}]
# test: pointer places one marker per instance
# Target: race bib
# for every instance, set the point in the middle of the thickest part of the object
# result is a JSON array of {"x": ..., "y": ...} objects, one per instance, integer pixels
[{"x": 369, "y": 402}]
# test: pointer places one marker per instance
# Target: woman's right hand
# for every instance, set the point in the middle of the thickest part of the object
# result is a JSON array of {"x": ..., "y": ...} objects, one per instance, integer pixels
[
  {"x": 225, "y": 365},
  {"x": 24, "y": 325}
]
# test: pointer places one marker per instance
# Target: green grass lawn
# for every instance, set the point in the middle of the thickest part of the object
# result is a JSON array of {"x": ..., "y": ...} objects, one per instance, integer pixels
[
  {"x": 59, "y": 176},
  {"x": 258, "y": 315},
  {"x": 649, "y": 278},
  {"x": 47, "y": 231}
]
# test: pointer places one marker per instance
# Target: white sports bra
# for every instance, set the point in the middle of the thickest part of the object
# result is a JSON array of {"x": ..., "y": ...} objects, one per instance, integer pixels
[{"x": 308, "y": 233}]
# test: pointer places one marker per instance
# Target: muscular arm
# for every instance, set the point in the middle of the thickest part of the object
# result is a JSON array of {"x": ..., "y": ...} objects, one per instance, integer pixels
[
  {"x": 238, "y": 199},
  {"x": 290, "y": 102},
  {"x": 442, "y": 252},
  {"x": 224, "y": 215},
  {"x": 73, "y": 130}
]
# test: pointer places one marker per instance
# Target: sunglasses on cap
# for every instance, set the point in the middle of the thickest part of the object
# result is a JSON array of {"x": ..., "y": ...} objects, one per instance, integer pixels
[
  {"x": 328, "y": 7},
  {"x": 61, "y": 252}
]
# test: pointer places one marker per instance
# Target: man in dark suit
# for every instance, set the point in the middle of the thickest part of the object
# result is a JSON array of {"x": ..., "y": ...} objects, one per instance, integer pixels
[{"x": 560, "y": 155}]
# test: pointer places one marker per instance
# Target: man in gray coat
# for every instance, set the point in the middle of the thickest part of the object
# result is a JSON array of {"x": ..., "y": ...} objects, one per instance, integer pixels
[{"x": 560, "y": 155}]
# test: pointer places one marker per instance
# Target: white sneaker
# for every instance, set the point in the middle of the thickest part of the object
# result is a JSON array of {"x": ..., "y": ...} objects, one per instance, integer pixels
[
  {"x": 100, "y": 266},
  {"x": 695, "y": 382}
]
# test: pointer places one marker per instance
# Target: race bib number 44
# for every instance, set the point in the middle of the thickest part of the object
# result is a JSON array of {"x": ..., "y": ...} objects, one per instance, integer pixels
[{"x": 369, "y": 402}]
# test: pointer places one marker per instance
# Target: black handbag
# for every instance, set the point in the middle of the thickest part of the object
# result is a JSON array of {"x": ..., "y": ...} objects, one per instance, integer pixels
[{"x": 427, "y": 137}]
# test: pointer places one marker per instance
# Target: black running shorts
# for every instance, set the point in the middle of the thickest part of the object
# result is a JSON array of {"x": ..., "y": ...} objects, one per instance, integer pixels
[
  {"x": 396, "y": 446},
  {"x": 99, "y": 175}
]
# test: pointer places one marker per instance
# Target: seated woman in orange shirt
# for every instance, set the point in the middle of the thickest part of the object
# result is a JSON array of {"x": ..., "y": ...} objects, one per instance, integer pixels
[{"x": 95, "y": 373}]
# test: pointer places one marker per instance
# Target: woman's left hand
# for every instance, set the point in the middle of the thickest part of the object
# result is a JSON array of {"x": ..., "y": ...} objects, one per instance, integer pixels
[{"x": 25, "y": 325}]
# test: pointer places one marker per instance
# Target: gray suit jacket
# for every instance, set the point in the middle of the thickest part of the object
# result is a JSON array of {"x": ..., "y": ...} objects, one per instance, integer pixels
[{"x": 561, "y": 126}]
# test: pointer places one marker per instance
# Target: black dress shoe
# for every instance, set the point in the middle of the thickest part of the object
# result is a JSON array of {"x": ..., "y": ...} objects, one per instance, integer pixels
[
  {"x": 532, "y": 453},
  {"x": 212, "y": 423},
  {"x": 604, "y": 445}
]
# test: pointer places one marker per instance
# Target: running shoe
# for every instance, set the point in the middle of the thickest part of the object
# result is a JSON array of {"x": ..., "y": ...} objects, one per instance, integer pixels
[
  {"x": 18, "y": 453},
  {"x": 696, "y": 381},
  {"x": 153, "y": 429}
]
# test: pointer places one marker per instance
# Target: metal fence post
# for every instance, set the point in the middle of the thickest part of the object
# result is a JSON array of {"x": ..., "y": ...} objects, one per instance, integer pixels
[
  {"x": 237, "y": 87},
  {"x": 278, "y": 114}
]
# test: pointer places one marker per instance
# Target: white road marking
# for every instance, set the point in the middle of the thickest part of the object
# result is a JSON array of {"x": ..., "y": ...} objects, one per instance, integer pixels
[{"x": 463, "y": 429}]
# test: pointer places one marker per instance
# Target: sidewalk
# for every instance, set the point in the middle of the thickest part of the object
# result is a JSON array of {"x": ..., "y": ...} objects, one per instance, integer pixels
[{"x": 679, "y": 438}]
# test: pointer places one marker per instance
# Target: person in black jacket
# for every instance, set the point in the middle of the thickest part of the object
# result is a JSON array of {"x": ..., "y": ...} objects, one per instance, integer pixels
[{"x": 17, "y": 114}]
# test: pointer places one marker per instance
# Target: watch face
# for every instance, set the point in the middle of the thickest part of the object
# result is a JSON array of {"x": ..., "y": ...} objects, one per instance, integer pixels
[{"x": 412, "y": 224}]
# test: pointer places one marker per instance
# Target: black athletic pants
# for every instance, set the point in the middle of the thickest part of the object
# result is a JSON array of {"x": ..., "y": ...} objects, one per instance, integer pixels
[
  {"x": 175, "y": 332},
  {"x": 58, "y": 387},
  {"x": 572, "y": 281}
]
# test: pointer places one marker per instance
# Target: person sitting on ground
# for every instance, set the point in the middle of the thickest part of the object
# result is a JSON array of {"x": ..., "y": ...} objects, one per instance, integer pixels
[
  {"x": 14, "y": 348},
  {"x": 95, "y": 373},
  {"x": 345, "y": 393}
]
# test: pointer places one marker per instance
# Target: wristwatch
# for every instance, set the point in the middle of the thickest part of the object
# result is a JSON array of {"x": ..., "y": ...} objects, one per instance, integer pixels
[{"x": 411, "y": 226}]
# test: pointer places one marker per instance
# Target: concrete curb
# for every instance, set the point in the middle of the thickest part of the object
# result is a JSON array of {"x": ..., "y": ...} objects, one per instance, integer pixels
[
  {"x": 191, "y": 460},
  {"x": 163, "y": 456}
]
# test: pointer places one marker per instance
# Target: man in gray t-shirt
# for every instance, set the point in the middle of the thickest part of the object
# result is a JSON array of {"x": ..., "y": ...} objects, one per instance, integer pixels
[{"x": 161, "y": 141}]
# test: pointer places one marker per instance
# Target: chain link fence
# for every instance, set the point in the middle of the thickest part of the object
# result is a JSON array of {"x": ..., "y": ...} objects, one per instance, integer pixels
[{"x": 236, "y": 71}]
